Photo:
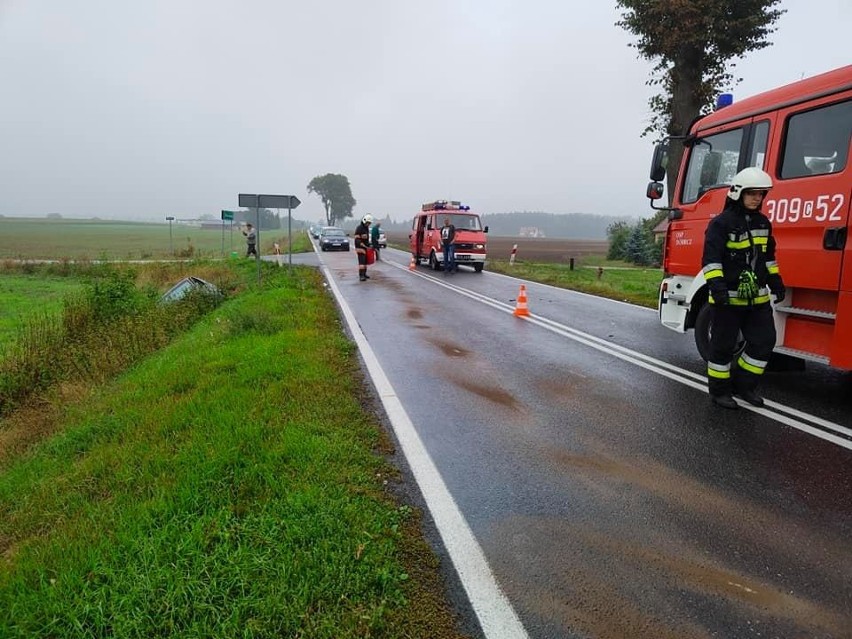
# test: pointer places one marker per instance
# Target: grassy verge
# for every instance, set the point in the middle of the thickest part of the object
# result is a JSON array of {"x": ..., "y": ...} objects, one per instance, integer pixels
[
  {"x": 228, "y": 485},
  {"x": 614, "y": 281}
]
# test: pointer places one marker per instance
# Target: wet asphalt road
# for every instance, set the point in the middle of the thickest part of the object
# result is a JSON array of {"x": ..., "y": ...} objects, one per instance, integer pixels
[{"x": 610, "y": 498}]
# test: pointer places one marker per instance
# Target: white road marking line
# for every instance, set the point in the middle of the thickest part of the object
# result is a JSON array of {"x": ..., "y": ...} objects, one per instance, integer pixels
[
  {"x": 496, "y": 615},
  {"x": 786, "y": 415}
]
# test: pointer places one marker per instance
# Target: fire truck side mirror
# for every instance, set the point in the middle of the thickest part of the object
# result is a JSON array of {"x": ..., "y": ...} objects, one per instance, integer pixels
[
  {"x": 655, "y": 191},
  {"x": 486, "y": 228},
  {"x": 659, "y": 161}
]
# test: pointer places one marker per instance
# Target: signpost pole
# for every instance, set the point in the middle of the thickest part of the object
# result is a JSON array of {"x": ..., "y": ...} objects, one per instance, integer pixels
[
  {"x": 289, "y": 238},
  {"x": 257, "y": 231},
  {"x": 171, "y": 218}
]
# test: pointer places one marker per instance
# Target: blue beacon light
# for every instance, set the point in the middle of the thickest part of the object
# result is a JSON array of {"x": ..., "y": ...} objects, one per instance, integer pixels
[{"x": 723, "y": 100}]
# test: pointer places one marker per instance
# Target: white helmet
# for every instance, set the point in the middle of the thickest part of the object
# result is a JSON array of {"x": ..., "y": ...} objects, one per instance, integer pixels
[
  {"x": 751, "y": 178},
  {"x": 367, "y": 219}
]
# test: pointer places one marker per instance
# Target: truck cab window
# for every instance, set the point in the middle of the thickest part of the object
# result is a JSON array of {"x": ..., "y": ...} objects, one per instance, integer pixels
[
  {"x": 713, "y": 162},
  {"x": 817, "y": 142}
]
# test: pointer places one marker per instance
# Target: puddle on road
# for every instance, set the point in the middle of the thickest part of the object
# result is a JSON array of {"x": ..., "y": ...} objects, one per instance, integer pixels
[{"x": 414, "y": 313}]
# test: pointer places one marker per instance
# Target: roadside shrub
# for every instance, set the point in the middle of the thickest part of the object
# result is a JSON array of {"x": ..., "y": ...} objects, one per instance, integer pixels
[{"x": 101, "y": 331}]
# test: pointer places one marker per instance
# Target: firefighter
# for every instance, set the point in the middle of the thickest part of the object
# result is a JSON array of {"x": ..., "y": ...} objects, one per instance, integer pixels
[
  {"x": 740, "y": 269},
  {"x": 362, "y": 241}
]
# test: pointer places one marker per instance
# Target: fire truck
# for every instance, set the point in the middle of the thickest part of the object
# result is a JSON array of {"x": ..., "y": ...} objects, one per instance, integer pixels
[
  {"x": 799, "y": 134},
  {"x": 425, "y": 237}
]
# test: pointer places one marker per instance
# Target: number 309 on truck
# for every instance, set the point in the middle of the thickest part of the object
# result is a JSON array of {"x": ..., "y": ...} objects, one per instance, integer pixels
[{"x": 800, "y": 134}]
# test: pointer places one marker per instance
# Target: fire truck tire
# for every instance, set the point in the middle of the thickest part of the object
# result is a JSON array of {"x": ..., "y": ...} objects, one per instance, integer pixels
[
  {"x": 703, "y": 331},
  {"x": 433, "y": 262},
  {"x": 478, "y": 267}
]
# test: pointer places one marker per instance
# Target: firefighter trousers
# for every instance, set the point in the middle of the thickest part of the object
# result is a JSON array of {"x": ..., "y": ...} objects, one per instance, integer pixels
[{"x": 758, "y": 330}]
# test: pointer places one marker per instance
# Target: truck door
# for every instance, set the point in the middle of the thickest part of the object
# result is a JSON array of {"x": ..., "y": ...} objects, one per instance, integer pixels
[{"x": 809, "y": 204}]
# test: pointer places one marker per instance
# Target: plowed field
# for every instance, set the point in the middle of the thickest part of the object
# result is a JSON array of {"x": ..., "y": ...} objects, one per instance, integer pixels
[{"x": 530, "y": 249}]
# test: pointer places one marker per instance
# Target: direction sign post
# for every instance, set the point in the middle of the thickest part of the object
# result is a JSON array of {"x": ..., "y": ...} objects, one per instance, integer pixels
[
  {"x": 227, "y": 215},
  {"x": 294, "y": 202},
  {"x": 256, "y": 201}
]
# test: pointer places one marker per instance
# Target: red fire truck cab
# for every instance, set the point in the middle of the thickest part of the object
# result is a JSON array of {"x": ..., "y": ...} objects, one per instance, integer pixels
[
  {"x": 800, "y": 135},
  {"x": 425, "y": 237}
]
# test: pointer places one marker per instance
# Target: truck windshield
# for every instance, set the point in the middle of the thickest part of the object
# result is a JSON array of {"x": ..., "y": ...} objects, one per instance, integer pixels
[
  {"x": 461, "y": 222},
  {"x": 713, "y": 162}
]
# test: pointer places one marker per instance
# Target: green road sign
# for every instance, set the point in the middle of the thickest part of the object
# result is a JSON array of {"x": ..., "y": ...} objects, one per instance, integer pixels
[{"x": 227, "y": 215}]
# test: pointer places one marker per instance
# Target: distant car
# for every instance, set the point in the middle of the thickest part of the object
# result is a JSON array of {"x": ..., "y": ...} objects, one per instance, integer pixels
[
  {"x": 383, "y": 239},
  {"x": 333, "y": 239},
  {"x": 316, "y": 231}
]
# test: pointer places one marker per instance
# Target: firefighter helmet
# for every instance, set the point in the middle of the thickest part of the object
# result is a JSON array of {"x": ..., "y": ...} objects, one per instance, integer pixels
[
  {"x": 367, "y": 219},
  {"x": 751, "y": 178}
]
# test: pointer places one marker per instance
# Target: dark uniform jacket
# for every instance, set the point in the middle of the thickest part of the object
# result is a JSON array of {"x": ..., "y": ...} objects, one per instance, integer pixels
[
  {"x": 362, "y": 236},
  {"x": 448, "y": 234},
  {"x": 737, "y": 240}
]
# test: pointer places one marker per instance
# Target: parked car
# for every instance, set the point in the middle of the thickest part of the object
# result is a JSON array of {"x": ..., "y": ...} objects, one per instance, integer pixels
[
  {"x": 383, "y": 239},
  {"x": 333, "y": 239}
]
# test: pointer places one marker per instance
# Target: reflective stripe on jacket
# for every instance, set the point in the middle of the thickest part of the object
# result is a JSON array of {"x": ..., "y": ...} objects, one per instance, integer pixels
[{"x": 736, "y": 240}]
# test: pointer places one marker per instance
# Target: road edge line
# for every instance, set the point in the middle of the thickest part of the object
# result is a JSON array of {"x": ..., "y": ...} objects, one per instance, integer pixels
[{"x": 495, "y": 613}]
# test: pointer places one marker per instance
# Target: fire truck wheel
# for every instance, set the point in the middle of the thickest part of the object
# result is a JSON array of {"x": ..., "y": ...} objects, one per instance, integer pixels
[
  {"x": 433, "y": 262},
  {"x": 478, "y": 267},
  {"x": 704, "y": 329}
]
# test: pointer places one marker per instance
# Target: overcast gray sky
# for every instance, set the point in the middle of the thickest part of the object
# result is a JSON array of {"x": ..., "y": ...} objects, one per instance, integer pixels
[{"x": 139, "y": 109}]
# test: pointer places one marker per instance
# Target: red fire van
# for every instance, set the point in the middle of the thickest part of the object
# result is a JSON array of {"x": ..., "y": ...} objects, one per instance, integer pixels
[{"x": 425, "y": 236}]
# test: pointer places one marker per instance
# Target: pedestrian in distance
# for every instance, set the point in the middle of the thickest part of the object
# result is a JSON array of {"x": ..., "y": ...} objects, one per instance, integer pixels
[
  {"x": 448, "y": 234},
  {"x": 251, "y": 240},
  {"x": 374, "y": 237},
  {"x": 740, "y": 270},
  {"x": 362, "y": 243}
]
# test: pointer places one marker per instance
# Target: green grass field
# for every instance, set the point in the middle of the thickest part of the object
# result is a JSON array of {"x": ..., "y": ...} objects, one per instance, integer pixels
[
  {"x": 57, "y": 239},
  {"x": 617, "y": 280},
  {"x": 232, "y": 484},
  {"x": 23, "y": 295}
]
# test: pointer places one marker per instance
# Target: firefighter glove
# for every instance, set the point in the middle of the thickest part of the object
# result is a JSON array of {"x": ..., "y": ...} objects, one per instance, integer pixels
[
  {"x": 747, "y": 288},
  {"x": 780, "y": 294}
]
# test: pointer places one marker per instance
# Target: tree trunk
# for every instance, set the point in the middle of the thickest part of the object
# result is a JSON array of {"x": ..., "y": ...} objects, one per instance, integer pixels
[{"x": 686, "y": 85}]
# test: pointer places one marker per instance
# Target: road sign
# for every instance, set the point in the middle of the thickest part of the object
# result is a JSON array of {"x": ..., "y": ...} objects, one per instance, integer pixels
[
  {"x": 228, "y": 215},
  {"x": 252, "y": 201}
]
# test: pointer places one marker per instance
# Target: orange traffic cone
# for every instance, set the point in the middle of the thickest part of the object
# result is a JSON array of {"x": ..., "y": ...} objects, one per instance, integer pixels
[
  {"x": 521, "y": 309},
  {"x": 412, "y": 265}
]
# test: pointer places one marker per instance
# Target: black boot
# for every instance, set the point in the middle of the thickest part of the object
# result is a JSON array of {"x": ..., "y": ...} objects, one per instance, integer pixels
[
  {"x": 751, "y": 396},
  {"x": 725, "y": 401}
]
